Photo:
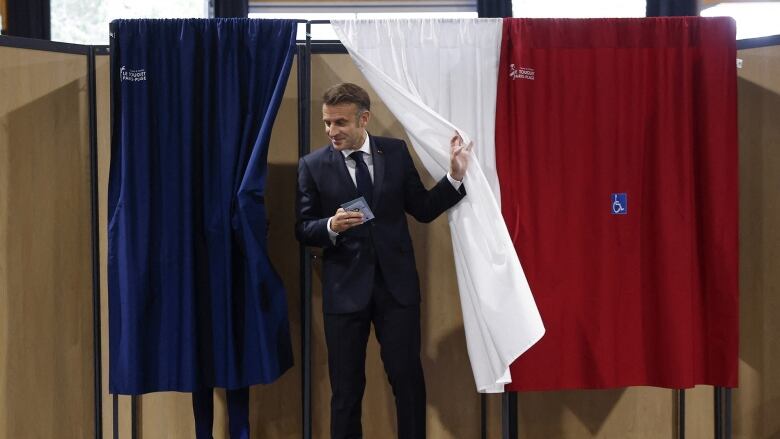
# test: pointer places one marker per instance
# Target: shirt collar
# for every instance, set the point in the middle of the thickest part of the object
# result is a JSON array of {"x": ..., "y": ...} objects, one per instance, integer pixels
[{"x": 366, "y": 148}]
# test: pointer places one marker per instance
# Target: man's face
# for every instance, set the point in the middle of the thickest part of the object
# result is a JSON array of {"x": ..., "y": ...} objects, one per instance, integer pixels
[{"x": 345, "y": 125}]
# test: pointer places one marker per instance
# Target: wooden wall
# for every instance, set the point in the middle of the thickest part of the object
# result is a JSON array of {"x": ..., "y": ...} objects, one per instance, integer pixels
[
  {"x": 757, "y": 401},
  {"x": 46, "y": 350}
]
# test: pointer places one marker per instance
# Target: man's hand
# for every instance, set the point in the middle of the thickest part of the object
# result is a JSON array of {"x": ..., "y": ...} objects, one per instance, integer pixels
[
  {"x": 344, "y": 220},
  {"x": 459, "y": 157}
]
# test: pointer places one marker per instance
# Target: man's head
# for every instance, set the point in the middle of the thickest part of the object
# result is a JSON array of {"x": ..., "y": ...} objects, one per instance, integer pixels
[{"x": 346, "y": 112}]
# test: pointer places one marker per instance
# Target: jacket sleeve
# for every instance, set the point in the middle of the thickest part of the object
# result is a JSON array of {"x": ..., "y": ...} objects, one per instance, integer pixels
[
  {"x": 425, "y": 205},
  {"x": 311, "y": 228}
]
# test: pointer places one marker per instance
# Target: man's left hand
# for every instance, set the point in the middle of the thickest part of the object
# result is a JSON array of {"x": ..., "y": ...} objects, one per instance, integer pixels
[{"x": 459, "y": 157}]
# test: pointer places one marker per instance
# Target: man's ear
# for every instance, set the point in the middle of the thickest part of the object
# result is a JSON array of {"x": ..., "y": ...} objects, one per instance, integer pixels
[{"x": 364, "y": 118}]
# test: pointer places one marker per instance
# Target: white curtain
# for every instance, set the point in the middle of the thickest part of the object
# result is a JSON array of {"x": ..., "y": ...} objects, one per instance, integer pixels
[{"x": 438, "y": 76}]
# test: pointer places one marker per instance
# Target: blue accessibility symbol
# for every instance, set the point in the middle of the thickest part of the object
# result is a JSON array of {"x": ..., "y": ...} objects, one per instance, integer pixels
[{"x": 619, "y": 204}]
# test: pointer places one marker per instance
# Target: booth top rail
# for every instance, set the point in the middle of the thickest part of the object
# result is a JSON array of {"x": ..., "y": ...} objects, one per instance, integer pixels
[
  {"x": 754, "y": 43},
  {"x": 45, "y": 45},
  {"x": 82, "y": 49}
]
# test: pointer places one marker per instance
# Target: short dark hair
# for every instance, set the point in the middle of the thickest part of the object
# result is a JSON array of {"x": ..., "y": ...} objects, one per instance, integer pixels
[{"x": 347, "y": 93}]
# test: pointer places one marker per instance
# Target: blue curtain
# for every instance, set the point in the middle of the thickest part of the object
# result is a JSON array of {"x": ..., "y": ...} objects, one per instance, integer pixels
[{"x": 193, "y": 298}]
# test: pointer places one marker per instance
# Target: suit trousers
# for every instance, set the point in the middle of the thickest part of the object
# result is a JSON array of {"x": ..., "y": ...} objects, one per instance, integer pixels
[
  {"x": 397, "y": 330},
  {"x": 238, "y": 412}
]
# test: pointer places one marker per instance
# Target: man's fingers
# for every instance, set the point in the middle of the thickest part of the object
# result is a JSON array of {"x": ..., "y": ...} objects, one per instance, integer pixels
[
  {"x": 456, "y": 140},
  {"x": 462, "y": 148},
  {"x": 352, "y": 222},
  {"x": 346, "y": 219},
  {"x": 350, "y": 218},
  {"x": 341, "y": 213}
]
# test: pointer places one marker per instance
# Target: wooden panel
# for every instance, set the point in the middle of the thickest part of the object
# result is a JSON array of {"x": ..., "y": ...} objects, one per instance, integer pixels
[
  {"x": 699, "y": 416},
  {"x": 637, "y": 412},
  {"x": 757, "y": 401},
  {"x": 46, "y": 374}
]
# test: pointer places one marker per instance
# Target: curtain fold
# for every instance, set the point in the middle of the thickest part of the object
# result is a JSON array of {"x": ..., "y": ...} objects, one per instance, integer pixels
[
  {"x": 437, "y": 77},
  {"x": 194, "y": 300},
  {"x": 616, "y": 146}
]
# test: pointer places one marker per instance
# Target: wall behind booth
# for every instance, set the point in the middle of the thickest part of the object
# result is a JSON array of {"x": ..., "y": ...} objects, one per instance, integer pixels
[
  {"x": 46, "y": 349},
  {"x": 757, "y": 400}
]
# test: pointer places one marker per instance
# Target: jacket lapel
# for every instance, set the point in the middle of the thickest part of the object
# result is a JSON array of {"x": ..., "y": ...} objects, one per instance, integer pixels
[{"x": 378, "y": 156}]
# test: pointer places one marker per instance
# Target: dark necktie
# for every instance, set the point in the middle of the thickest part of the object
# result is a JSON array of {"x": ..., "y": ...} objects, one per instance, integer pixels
[{"x": 362, "y": 176}]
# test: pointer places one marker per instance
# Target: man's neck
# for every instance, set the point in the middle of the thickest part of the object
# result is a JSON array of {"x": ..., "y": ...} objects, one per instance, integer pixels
[
  {"x": 358, "y": 144},
  {"x": 362, "y": 141}
]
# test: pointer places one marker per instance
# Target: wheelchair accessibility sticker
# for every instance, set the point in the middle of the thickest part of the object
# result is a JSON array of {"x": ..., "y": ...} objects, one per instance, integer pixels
[{"x": 619, "y": 204}]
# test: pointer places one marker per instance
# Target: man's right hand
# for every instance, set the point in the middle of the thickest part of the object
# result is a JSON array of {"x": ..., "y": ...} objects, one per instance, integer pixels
[{"x": 344, "y": 220}]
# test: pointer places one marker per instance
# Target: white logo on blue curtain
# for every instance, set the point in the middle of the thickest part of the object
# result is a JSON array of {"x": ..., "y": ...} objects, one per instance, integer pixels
[
  {"x": 521, "y": 72},
  {"x": 133, "y": 75},
  {"x": 619, "y": 204}
]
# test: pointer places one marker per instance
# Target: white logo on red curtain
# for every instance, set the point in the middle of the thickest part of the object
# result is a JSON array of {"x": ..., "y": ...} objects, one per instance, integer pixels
[
  {"x": 521, "y": 72},
  {"x": 133, "y": 75}
]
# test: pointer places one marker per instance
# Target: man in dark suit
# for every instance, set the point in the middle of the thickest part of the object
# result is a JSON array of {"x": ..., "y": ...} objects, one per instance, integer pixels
[{"x": 369, "y": 272}]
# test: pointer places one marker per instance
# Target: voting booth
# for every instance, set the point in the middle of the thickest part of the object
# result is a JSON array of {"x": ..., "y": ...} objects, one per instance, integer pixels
[{"x": 55, "y": 154}]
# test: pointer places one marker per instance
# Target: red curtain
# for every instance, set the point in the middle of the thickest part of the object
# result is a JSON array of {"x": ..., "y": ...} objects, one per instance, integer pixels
[{"x": 616, "y": 146}]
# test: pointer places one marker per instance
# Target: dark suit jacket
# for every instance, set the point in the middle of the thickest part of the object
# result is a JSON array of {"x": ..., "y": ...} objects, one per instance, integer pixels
[{"x": 349, "y": 265}]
